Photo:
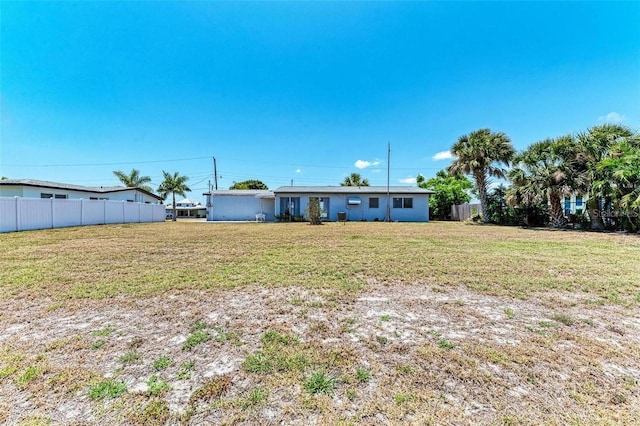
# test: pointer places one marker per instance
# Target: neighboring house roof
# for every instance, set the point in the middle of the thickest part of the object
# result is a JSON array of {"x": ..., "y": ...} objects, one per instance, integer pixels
[
  {"x": 72, "y": 187},
  {"x": 198, "y": 207},
  {"x": 188, "y": 202},
  {"x": 410, "y": 190},
  {"x": 258, "y": 193}
]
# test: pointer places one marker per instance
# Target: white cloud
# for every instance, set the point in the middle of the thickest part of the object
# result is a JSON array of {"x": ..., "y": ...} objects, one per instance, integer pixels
[
  {"x": 442, "y": 155},
  {"x": 363, "y": 164},
  {"x": 298, "y": 170},
  {"x": 408, "y": 180},
  {"x": 612, "y": 117}
]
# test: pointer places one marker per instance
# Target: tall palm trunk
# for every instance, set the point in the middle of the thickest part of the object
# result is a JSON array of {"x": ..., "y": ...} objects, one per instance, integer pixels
[
  {"x": 173, "y": 198},
  {"x": 481, "y": 186},
  {"x": 556, "y": 213},
  {"x": 594, "y": 214}
]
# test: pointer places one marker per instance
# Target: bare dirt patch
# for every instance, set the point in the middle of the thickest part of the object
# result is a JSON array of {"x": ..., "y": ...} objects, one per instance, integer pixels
[{"x": 391, "y": 353}]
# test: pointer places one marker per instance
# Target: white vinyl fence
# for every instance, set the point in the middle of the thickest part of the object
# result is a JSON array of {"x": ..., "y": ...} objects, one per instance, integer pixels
[{"x": 22, "y": 214}]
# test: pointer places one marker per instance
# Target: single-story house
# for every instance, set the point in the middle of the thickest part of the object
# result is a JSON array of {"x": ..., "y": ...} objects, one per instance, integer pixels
[
  {"x": 356, "y": 203},
  {"x": 188, "y": 208},
  {"x": 406, "y": 204},
  {"x": 31, "y": 188},
  {"x": 240, "y": 205}
]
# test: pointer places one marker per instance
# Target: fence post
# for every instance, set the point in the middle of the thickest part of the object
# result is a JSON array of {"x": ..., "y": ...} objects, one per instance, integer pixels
[
  {"x": 81, "y": 211},
  {"x": 51, "y": 203},
  {"x": 104, "y": 212},
  {"x": 17, "y": 214}
]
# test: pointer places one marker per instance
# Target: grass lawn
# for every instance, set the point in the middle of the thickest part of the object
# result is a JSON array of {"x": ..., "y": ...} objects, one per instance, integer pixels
[{"x": 356, "y": 323}]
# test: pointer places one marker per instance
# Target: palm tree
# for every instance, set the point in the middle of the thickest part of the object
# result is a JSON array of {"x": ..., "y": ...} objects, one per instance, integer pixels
[
  {"x": 544, "y": 175},
  {"x": 480, "y": 155},
  {"x": 134, "y": 180},
  {"x": 619, "y": 179},
  {"x": 594, "y": 147},
  {"x": 354, "y": 179},
  {"x": 173, "y": 184}
]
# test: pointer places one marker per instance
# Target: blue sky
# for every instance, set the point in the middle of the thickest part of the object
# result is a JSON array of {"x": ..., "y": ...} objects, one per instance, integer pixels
[{"x": 308, "y": 92}]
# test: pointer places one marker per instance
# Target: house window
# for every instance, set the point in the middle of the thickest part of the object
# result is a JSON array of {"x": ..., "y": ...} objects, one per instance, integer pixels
[
  {"x": 403, "y": 203},
  {"x": 61, "y": 196},
  {"x": 374, "y": 202},
  {"x": 578, "y": 201},
  {"x": 567, "y": 206},
  {"x": 45, "y": 195}
]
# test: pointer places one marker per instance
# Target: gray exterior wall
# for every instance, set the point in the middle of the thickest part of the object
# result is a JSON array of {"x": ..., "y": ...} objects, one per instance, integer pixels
[{"x": 221, "y": 207}]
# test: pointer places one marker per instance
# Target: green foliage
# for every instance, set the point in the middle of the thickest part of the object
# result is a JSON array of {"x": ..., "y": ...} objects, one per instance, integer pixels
[
  {"x": 131, "y": 357},
  {"x": 134, "y": 180},
  {"x": 195, "y": 338},
  {"x": 449, "y": 190},
  {"x": 481, "y": 154},
  {"x": 254, "y": 398},
  {"x": 445, "y": 344},
  {"x": 249, "y": 184},
  {"x": 185, "y": 370},
  {"x": 314, "y": 213},
  {"x": 258, "y": 363},
  {"x": 544, "y": 174},
  {"x": 363, "y": 375},
  {"x": 161, "y": 362},
  {"x": 105, "y": 331},
  {"x": 173, "y": 184},
  {"x": 157, "y": 386},
  {"x": 107, "y": 389},
  {"x": 319, "y": 382},
  {"x": 354, "y": 179}
]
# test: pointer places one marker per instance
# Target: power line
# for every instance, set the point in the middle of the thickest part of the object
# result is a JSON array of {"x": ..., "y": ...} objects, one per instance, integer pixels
[{"x": 103, "y": 164}]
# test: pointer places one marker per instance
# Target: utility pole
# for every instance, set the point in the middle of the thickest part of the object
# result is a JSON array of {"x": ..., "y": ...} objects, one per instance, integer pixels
[
  {"x": 215, "y": 173},
  {"x": 388, "y": 217}
]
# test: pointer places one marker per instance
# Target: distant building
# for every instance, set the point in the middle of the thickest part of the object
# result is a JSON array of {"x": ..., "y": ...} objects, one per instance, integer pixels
[
  {"x": 31, "y": 188},
  {"x": 187, "y": 208}
]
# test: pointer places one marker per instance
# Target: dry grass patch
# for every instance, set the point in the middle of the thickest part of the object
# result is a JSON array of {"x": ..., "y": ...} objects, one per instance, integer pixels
[
  {"x": 194, "y": 323},
  {"x": 148, "y": 259}
]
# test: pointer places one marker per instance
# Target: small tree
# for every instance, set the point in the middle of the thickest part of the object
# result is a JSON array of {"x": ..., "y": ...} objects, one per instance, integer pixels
[
  {"x": 354, "y": 179},
  {"x": 313, "y": 211},
  {"x": 449, "y": 190},
  {"x": 249, "y": 184}
]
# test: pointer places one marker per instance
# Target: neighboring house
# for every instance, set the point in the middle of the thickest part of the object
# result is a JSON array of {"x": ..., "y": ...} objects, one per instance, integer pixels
[
  {"x": 407, "y": 204},
  {"x": 31, "y": 188},
  {"x": 574, "y": 204},
  {"x": 188, "y": 208},
  {"x": 240, "y": 205}
]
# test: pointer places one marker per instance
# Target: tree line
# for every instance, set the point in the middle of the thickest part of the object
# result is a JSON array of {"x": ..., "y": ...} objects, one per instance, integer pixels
[{"x": 602, "y": 165}]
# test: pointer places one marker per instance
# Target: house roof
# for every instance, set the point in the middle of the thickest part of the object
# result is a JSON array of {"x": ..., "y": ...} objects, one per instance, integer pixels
[
  {"x": 257, "y": 193},
  {"x": 353, "y": 190},
  {"x": 72, "y": 187}
]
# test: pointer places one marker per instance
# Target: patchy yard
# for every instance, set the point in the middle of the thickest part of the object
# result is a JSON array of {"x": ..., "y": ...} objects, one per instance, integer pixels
[{"x": 338, "y": 324}]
